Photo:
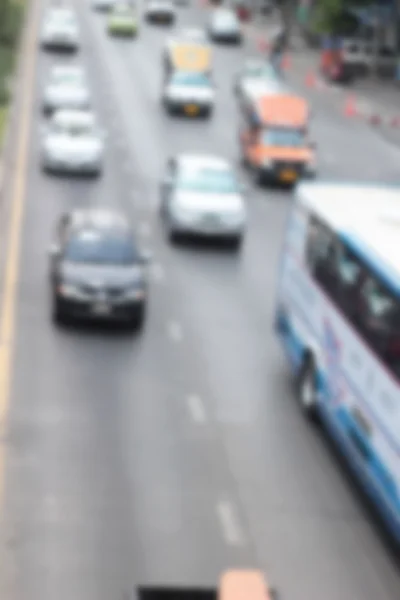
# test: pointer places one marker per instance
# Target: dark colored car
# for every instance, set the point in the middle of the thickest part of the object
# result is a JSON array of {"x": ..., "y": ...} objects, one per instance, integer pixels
[{"x": 97, "y": 271}]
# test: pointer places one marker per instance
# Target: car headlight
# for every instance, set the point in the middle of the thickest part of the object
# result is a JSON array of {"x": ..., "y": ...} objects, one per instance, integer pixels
[
  {"x": 54, "y": 153},
  {"x": 182, "y": 214},
  {"x": 68, "y": 290},
  {"x": 135, "y": 293}
]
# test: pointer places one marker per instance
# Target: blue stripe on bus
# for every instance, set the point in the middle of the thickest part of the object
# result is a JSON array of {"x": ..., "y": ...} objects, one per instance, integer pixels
[{"x": 375, "y": 479}]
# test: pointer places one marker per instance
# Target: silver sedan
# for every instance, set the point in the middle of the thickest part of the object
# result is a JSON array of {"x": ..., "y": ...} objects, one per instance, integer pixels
[
  {"x": 60, "y": 30},
  {"x": 103, "y": 5},
  {"x": 73, "y": 144},
  {"x": 224, "y": 26},
  {"x": 201, "y": 196},
  {"x": 67, "y": 87}
]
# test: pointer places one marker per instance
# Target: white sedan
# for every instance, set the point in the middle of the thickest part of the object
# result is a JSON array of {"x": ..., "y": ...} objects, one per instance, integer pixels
[
  {"x": 60, "y": 30},
  {"x": 67, "y": 87},
  {"x": 189, "y": 93},
  {"x": 160, "y": 11},
  {"x": 224, "y": 26},
  {"x": 201, "y": 196},
  {"x": 73, "y": 143}
]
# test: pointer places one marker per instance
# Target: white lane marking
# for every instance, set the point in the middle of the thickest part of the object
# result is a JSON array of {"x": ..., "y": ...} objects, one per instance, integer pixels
[
  {"x": 175, "y": 331},
  {"x": 158, "y": 273},
  {"x": 144, "y": 229},
  {"x": 229, "y": 523},
  {"x": 196, "y": 409}
]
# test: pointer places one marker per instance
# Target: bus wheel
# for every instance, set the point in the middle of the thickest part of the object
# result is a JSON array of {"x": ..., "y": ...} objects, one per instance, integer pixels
[{"x": 306, "y": 389}]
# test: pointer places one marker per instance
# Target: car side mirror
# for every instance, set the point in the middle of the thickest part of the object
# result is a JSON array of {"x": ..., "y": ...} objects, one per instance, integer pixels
[{"x": 54, "y": 251}]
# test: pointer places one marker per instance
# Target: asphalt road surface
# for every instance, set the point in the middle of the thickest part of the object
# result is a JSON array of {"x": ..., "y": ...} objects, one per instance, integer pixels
[{"x": 169, "y": 457}]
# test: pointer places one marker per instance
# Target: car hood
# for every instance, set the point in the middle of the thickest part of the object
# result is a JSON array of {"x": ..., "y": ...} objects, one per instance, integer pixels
[
  {"x": 66, "y": 91},
  {"x": 65, "y": 143},
  {"x": 209, "y": 202},
  {"x": 123, "y": 19},
  {"x": 60, "y": 29},
  {"x": 101, "y": 276},
  {"x": 225, "y": 27},
  {"x": 185, "y": 91}
]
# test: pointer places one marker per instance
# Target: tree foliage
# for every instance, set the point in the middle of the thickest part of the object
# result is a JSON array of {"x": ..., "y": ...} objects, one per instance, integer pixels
[{"x": 332, "y": 16}]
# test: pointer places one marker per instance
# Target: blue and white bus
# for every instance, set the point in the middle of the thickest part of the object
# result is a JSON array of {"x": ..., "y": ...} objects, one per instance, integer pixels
[{"x": 338, "y": 317}]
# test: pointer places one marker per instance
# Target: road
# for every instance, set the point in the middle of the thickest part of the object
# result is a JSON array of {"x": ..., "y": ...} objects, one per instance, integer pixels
[{"x": 169, "y": 457}]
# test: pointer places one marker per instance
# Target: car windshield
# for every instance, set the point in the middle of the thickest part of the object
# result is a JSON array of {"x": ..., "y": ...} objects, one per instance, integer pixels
[
  {"x": 61, "y": 18},
  {"x": 191, "y": 79},
  {"x": 74, "y": 129},
  {"x": 284, "y": 137},
  {"x": 68, "y": 80},
  {"x": 72, "y": 78},
  {"x": 226, "y": 20},
  {"x": 92, "y": 247},
  {"x": 216, "y": 181}
]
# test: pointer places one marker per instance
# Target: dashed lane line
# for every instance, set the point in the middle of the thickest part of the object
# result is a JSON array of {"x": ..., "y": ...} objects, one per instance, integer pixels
[
  {"x": 229, "y": 523},
  {"x": 196, "y": 409},
  {"x": 174, "y": 331}
]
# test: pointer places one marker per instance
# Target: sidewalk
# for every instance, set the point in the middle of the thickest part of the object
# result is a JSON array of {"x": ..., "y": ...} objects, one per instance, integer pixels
[{"x": 375, "y": 101}]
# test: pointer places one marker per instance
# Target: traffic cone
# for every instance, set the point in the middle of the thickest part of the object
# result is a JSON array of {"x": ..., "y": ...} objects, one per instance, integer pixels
[
  {"x": 375, "y": 120},
  {"x": 263, "y": 45},
  {"x": 350, "y": 107},
  {"x": 311, "y": 79}
]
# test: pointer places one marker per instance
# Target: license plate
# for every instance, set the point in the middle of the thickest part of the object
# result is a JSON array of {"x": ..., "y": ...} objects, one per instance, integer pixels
[
  {"x": 101, "y": 309},
  {"x": 191, "y": 109},
  {"x": 288, "y": 176}
]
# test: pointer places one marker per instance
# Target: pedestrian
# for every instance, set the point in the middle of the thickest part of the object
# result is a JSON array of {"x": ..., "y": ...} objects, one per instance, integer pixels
[{"x": 278, "y": 48}]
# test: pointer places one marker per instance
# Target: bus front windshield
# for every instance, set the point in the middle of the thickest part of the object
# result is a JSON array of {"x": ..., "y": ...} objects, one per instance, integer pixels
[{"x": 284, "y": 137}]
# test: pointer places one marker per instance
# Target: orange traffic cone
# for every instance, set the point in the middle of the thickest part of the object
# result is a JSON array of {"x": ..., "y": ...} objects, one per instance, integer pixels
[
  {"x": 350, "y": 107},
  {"x": 263, "y": 45},
  {"x": 311, "y": 79}
]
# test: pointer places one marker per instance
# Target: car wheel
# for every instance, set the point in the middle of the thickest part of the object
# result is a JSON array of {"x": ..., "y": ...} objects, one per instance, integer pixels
[
  {"x": 306, "y": 389},
  {"x": 258, "y": 176},
  {"x": 173, "y": 235},
  {"x": 139, "y": 319},
  {"x": 236, "y": 243}
]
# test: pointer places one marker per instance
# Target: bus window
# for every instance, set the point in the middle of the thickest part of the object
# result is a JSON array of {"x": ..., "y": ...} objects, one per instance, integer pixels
[{"x": 381, "y": 322}]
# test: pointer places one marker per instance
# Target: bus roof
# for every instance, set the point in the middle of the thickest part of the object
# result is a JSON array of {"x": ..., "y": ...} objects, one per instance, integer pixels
[
  {"x": 366, "y": 216},
  {"x": 243, "y": 585},
  {"x": 282, "y": 109}
]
